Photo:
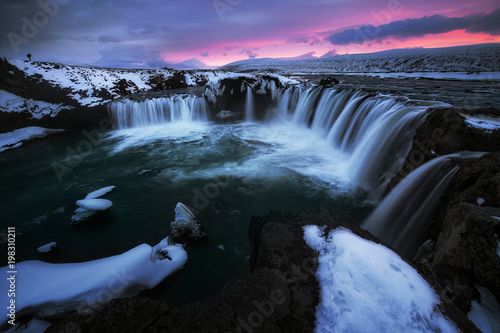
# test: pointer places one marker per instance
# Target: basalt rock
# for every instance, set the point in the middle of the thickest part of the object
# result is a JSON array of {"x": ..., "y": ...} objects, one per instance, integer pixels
[
  {"x": 231, "y": 94},
  {"x": 466, "y": 229},
  {"x": 445, "y": 131}
]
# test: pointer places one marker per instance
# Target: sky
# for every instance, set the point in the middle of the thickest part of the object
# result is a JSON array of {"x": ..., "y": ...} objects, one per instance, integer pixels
[{"x": 158, "y": 33}]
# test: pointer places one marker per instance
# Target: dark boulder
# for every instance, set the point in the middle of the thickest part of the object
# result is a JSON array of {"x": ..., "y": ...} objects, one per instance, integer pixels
[{"x": 329, "y": 81}]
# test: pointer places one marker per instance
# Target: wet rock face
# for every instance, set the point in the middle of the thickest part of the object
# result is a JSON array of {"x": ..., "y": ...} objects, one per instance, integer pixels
[
  {"x": 467, "y": 231},
  {"x": 445, "y": 132},
  {"x": 461, "y": 251},
  {"x": 230, "y": 94},
  {"x": 465, "y": 253}
]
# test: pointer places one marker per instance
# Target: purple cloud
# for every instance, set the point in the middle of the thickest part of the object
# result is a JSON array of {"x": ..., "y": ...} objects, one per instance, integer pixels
[
  {"x": 250, "y": 53},
  {"x": 436, "y": 24}
]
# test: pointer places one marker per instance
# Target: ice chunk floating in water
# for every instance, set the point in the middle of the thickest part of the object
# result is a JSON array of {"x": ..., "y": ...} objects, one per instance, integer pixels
[
  {"x": 47, "y": 247},
  {"x": 51, "y": 288},
  {"x": 365, "y": 287},
  {"x": 91, "y": 205},
  {"x": 95, "y": 204},
  {"x": 100, "y": 192}
]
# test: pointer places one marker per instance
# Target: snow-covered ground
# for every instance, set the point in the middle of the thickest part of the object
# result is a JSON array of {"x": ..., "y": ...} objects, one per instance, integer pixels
[
  {"x": 366, "y": 287},
  {"x": 16, "y": 138},
  {"x": 85, "y": 83},
  {"x": 49, "y": 288},
  {"x": 13, "y": 103},
  {"x": 484, "y": 123},
  {"x": 468, "y": 59}
]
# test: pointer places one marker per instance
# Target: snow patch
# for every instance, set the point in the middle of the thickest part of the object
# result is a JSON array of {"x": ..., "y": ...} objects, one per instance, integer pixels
[
  {"x": 13, "y": 103},
  {"x": 366, "y": 287},
  {"x": 480, "y": 201},
  {"x": 221, "y": 246},
  {"x": 16, "y": 138},
  {"x": 51, "y": 288},
  {"x": 485, "y": 123}
]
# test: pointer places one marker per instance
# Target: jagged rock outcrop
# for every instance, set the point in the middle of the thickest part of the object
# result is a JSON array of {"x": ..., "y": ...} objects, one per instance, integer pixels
[
  {"x": 465, "y": 231},
  {"x": 445, "y": 131},
  {"x": 230, "y": 94}
]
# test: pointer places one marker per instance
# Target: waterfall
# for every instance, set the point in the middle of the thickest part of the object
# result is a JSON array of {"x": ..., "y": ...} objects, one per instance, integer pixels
[
  {"x": 249, "y": 107},
  {"x": 399, "y": 219},
  {"x": 180, "y": 108},
  {"x": 375, "y": 132}
]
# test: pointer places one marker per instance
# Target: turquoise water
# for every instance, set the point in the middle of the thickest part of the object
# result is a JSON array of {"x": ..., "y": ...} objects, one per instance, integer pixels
[{"x": 225, "y": 173}]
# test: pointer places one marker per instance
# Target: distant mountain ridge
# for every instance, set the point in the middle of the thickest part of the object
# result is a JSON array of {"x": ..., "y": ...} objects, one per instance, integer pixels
[
  {"x": 192, "y": 63},
  {"x": 469, "y": 58}
]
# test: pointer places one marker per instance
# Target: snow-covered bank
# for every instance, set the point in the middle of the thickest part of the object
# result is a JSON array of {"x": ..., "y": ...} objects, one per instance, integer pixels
[
  {"x": 366, "y": 287},
  {"x": 16, "y": 138},
  {"x": 86, "y": 84},
  {"x": 49, "y": 288},
  {"x": 483, "y": 122},
  {"x": 13, "y": 103}
]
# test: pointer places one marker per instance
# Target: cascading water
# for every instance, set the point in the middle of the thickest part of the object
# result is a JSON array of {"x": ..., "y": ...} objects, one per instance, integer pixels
[
  {"x": 374, "y": 132},
  {"x": 180, "y": 108},
  {"x": 249, "y": 105},
  {"x": 399, "y": 219}
]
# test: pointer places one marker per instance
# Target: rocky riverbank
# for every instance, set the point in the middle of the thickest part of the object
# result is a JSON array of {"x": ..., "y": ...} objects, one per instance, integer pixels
[{"x": 280, "y": 294}]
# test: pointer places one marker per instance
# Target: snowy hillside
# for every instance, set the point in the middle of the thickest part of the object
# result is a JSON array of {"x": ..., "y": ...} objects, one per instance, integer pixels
[
  {"x": 53, "y": 95},
  {"x": 191, "y": 64},
  {"x": 472, "y": 58},
  {"x": 91, "y": 86}
]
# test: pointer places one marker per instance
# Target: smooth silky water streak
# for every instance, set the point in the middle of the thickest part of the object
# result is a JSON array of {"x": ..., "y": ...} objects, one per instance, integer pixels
[
  {"x": 179, "y": 108},
  {"x": 400, "y": 219},
  {"x": 375, "y": 132},
  {"x": 249, "y": 105}
]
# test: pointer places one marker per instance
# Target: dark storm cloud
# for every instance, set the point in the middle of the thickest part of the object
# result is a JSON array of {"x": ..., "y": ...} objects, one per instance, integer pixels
[{"x": 436, "y": 24}]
